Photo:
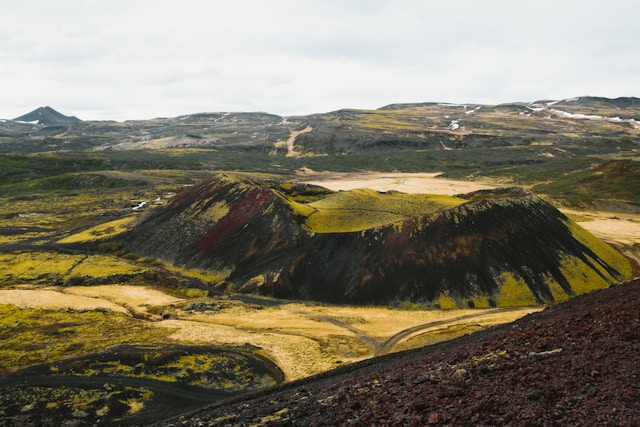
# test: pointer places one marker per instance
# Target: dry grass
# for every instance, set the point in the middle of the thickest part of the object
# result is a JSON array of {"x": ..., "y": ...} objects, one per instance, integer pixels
[
  {"x": 309, "y": 339},
  {"x": 134, "y": 299},
  {"x": 53, "y": 299},
  {"x": 303, "y": 339},
  {"x": 412, "y": 183}
]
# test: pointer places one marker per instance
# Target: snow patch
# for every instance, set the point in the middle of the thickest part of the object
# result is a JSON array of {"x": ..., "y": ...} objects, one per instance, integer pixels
[
  {"x": 567, "y": 114},
  {"x": 455, "y": 124},
  {"x": 563, "y": 100},
  {"x": 145, "y": 203},
  {"x": 222, "y": 117},
  {"x": 139, "y": 206},
  {"x": 443, "y": 104},
  {"x": 575, "y": 116},
  {"x": 472, "y": 111}
]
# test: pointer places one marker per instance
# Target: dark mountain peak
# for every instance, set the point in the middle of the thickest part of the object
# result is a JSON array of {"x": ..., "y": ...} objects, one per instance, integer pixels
[{"x": 47, "y": 116}]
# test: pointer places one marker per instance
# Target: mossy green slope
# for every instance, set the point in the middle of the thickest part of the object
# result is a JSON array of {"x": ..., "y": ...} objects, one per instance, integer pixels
[{"x": 362, "y": 209}]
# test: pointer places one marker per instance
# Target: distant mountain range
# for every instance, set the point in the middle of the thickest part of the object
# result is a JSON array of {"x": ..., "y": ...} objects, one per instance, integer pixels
[
  {"x": 552, "y": 128},
  {"x": 47, "y": 116}
]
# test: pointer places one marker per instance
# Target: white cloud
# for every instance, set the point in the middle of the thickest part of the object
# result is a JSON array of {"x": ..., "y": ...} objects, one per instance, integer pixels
[{"x": 121, "y": 59}]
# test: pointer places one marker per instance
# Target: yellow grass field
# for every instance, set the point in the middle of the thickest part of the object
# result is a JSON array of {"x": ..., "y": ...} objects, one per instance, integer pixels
[{"x": 304, "y": 339}]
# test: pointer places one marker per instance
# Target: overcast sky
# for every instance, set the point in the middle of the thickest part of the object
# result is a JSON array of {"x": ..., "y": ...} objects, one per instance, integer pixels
[{"x": 139, "y": 59}]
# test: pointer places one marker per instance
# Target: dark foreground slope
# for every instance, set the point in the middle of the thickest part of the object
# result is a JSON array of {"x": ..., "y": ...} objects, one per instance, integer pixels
[
  {"x": 574, "y": 363},
  {"x": 484, "y": 249}
]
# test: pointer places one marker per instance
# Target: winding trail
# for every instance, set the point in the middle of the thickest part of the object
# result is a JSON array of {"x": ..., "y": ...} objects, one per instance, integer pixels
[
  {"x": 381, "y": 348},
  {"x": 388, "y": 345}
]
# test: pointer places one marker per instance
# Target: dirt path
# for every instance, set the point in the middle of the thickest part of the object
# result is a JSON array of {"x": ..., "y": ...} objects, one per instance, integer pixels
[
  {"x": 368, "y": 340},
  {"x": 381, "y": 348},
  {"x": 289, "y": 143},
  {"x": 388, "y": 345}
]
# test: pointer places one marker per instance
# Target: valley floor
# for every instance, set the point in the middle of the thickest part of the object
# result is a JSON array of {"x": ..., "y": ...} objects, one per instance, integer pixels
[{"x": 304, "y": 339}]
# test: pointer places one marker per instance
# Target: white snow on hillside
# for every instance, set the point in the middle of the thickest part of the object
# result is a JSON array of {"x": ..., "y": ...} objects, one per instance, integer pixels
[{"x": 473, "y": 111}]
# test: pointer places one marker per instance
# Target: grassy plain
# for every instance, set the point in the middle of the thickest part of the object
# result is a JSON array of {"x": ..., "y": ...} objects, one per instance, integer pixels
[
  {"x": 304, "y": 339},
  {"x": 32, "y": 335}
]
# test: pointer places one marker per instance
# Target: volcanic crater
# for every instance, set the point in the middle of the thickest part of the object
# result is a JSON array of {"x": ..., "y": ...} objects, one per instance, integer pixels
[{"x": 501, "y": 247}]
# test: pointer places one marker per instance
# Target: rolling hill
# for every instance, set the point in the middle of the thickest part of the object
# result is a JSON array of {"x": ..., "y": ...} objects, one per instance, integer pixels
[{"x": 552, "y": 127}]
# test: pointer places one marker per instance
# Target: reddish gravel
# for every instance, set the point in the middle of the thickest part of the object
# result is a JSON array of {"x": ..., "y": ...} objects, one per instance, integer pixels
[{"x": 574, "y": 363}]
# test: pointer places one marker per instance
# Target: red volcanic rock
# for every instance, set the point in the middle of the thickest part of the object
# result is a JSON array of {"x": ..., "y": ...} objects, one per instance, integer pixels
[{"x": 574, "y": 363}]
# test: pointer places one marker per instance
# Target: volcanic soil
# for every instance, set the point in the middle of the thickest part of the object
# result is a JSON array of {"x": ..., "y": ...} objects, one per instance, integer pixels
[{"x": 574, "y": 363}]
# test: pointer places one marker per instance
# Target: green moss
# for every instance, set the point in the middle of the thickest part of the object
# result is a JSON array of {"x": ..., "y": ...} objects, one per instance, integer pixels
[
  {"x": 514, "y": 292},
  {"x": 614, "y": 181},
  {"x": 301, "y": 209},
  {"x": 101, "y": 231},
  {"x": 481, "y": 302},
  {"x": 446, "y": 301},
  {"x": 604, "y": 252},
  {"x": 37, "y": 267},
  {"x": 582, "y": 277},
  {"x": 386, "y": 120},
  {"x": 557, "y": 292},
  {"x": 29, "y": 336},
  {"x": 357, "y": 210}
]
